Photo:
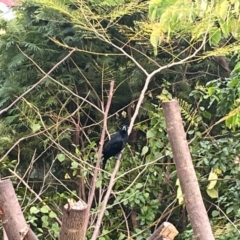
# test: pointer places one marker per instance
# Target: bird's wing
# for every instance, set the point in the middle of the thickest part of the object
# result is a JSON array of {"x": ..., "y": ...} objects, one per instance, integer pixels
[{"x": 113, "y": 143}]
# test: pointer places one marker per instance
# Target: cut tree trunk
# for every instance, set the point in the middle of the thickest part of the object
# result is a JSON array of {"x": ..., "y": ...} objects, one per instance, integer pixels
[
  {"x": 186, "y": 173},
  {"x": 11, "y": 214},
  {"x": 73, "y": 221},
  {"x": 166, "y": 231}
]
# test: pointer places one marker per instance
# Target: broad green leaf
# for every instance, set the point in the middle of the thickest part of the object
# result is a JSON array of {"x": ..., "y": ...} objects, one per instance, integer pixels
[
  {"x": 237, "y": 68},
  {"x": 35, "y": 127},
  {"x": 215, "y": 37},
  {"x": 77, "y": 152},
  {"x": 213, "y": 193},
  {"x": 234, "y": 27},
  {"x": 223, "y": 9},
  {"x": 211, "y": 90},
  {"x": 236, "y": 6},
  {"x": 74, "y": 165},
  {"x": 154, "y": 39},
  {"x": 150, "y": 133},
  {"x": 178, "y": 182},
  {"x": 144, "y": 150},
  {"x": 215, "y": 213},
  {"x": 139, "y": 185},
  {"x": 45, "y": 221},
  {"x": 99, "y": 183},
  {"x": 213, "y": 180},
  {"x": 52, "y": 214},
  {"x": 179, "y": 193},
  {"x": 229, "y": 209},
  {"x": 122, "y": 236},
  {"x": 45, "y": 209},
  {"x": 34, "y": 210},
  {"x": 224, "y": 28},
  {"x": 61, "y": 157},
  {"x": 207, "y": 115},
  {"x": 152, "y": 14},
  {"x": 180, "y": 196}
]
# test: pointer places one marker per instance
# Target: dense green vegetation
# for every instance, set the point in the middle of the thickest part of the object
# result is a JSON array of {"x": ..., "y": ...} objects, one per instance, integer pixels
[{"x": 50, "y": 136}]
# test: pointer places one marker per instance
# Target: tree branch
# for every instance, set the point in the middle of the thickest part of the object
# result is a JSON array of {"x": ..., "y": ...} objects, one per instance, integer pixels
[
  {"x": 105, "y": 200},
  {"x": 94, "y": 180},
  {"x": 37, "y": 83}
]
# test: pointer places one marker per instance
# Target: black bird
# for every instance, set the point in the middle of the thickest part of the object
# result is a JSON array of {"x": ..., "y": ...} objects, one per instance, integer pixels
[{"x": 115, "y": 144}]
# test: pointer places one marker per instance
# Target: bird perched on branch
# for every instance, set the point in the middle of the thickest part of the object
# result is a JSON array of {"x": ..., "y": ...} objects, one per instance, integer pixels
[{"x": 115, "y": 144}]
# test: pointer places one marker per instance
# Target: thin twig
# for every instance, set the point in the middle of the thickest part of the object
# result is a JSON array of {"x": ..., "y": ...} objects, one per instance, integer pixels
[
  {"x": 37, "y": 83},
  {"x": 57, "y": 82},
  {"x": 32, "y": 191}
]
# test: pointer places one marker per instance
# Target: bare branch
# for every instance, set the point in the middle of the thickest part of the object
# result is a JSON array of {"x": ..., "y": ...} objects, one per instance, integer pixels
[
  {"x": 105, "y": 201},
  {"x": 36, "y": 84},
  {"x": 57, "y": 82},
  {"x": 94, "y": 180}
]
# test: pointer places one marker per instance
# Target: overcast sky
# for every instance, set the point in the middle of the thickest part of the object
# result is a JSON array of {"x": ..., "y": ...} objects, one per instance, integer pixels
[{"x": 6, "y": 12}]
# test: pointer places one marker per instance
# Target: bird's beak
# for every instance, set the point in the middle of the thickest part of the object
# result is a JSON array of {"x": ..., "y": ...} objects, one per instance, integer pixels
[{"x": 124, "y": 128}]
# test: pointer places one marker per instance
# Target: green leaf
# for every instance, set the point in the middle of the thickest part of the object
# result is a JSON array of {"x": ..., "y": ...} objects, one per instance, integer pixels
[
  {"x": 207, "y": 115},
  {"x": 99, "y": 183},
  {"x": 156, "y": 36},
  {"x": 34, "y": 210},
  {"x": 215, "y": 213},
  {"x": 154, "y": 39},
  {"x": 223, "y": 10},
  {"x": 150, "y": 133},
  {"x": 229, "y": 210},
  {"x": 237, "y": 68},
  {"x": 52, "y": 214},
  {"x": 45, "y": 221},
  {"x": 74, "y": 165},
  {"x": 215, "y": 37},
  {"x": 224, "y": 27},
  {"x": 213, "y": 193},
  {"x": 211, "y": 90},
  {"x": 152, "y": 14},
  {"x": 122, "y": 236},
  {"x": 45, "y": 209},
  {"x": 139, "y": 185},
  {"x": 35, "y": 127},
  {"x": 213, "y": 180},
  {"x": 144, "y": 150},
  {"x": 179, "y": 193},
  {"x": 61, "y": 157}
]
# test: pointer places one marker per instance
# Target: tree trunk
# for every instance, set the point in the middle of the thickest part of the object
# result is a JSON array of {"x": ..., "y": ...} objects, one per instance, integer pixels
[
  {"x": 13, "y": 220},
  {"x": 186, "y": 173},
  {"x": 73, "y": 221},
  {"x": 166, "y": 231}
]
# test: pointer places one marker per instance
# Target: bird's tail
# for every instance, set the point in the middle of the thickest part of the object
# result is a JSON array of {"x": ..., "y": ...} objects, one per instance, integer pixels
[{"x": 104, "y": 163}]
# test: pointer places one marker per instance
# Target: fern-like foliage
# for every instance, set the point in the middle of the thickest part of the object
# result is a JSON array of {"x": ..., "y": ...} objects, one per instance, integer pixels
[{"x": 190, "y": 114}]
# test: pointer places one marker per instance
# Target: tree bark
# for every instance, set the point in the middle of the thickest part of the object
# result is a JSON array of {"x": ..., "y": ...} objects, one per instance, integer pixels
[
  {"x": 166, "y": 231},
  {"x": 13, "y": 220},
  {"x": 186, "y": 173},
  {"x": 135, "y": 222},
  {"x": 73, "y": 221}
]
